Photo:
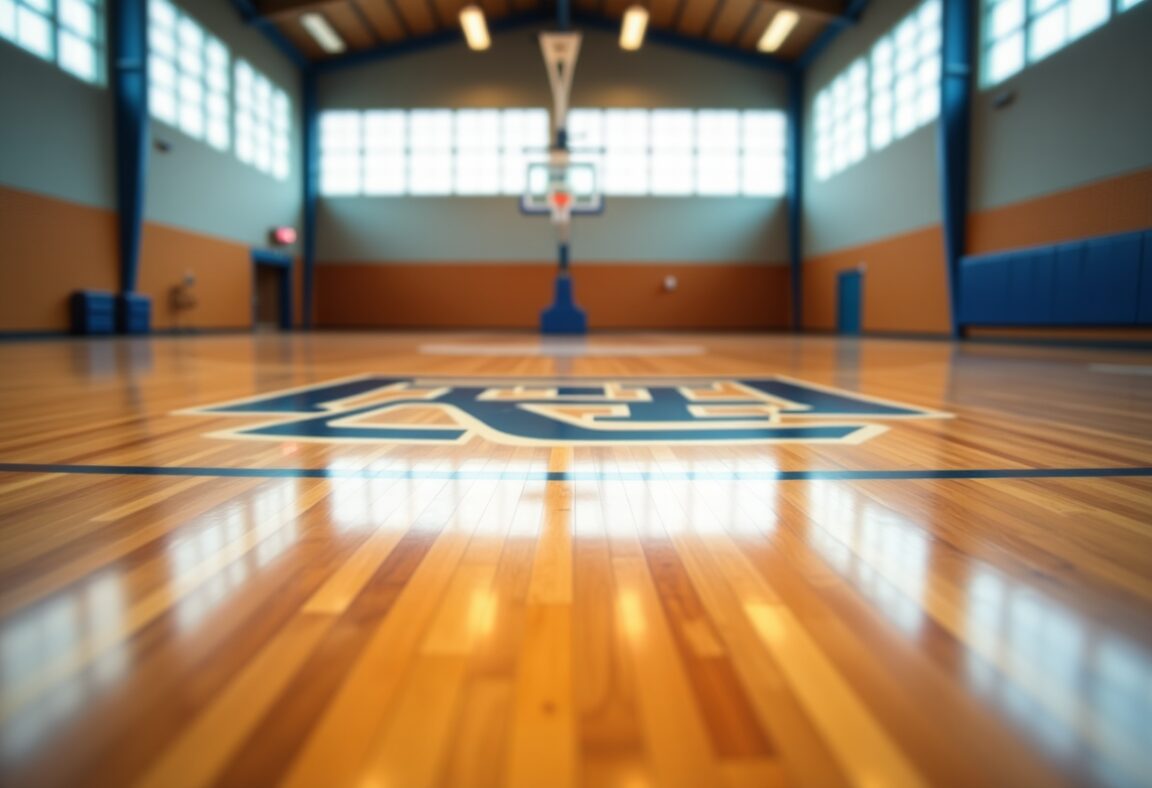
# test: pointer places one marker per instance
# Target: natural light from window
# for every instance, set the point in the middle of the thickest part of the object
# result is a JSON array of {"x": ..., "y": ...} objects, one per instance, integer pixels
[
  {"x": 69, "y": 33},
  {"x": 188, "y": 75},
  {"x": 263, "y": 122},
  {"x": 637, "y": 152},
  {"x": 1017, "y": 33}
]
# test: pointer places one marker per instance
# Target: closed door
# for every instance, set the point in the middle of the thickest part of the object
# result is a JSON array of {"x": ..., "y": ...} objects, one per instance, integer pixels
[
  {"x": 849, "y": 295},
  {"x": 269, "y": 280}
]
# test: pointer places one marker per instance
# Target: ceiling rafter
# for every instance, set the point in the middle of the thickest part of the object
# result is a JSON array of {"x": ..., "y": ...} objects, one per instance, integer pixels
[
  {"x": 826, "y": 8},
  {"x": 819, "y": 13},
  {"x": 275, "y": 8}
]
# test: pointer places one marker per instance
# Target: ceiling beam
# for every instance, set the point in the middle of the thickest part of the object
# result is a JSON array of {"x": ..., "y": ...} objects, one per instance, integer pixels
[
  {"x": 825, "y": 8},
  {"x": 274, "y": 8}
]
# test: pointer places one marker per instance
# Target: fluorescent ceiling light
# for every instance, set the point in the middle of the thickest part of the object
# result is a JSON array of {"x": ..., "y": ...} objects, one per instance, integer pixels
[
  {"x": 632, "y": 30},
  {"x": 318, "y": 27},
  {"x": 475, "y": 28},
  {"x": 778, "y": 30}
]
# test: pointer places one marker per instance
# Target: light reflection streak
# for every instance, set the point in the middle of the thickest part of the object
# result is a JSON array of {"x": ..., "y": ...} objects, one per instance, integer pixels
[
  {"x": 482, "y": 608},
  {"x": 49, "y": 634},
  {"x": 1080, "y": 692},
  {"x": 631, "y": 614},
  {"x": 213, "y": 559},
  {"x": 881, "y": 553},
  {"x": 1083, "y": 693}
]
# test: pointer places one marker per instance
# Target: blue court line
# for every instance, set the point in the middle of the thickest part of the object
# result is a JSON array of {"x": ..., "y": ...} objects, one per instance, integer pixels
[{"x": 581, "y": 476}]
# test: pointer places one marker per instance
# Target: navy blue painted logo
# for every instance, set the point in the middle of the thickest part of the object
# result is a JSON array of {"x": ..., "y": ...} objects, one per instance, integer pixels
[{"x": 571, "y": 412}]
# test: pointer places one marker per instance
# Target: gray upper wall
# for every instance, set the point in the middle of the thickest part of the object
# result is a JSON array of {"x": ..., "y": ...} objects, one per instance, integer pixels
[
  {"x": 57, "y": 138},
  {"x": 56, "y": 132},
  {"x": 1080, "y": 115},
  {"x": 195, "y": 187},
  {"x": 511, "y": 74},
  {"x": 889, "y": 192}
]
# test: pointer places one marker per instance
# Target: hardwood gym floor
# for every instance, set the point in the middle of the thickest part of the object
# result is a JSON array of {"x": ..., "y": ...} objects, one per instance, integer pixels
[{"x": 953, "y": 591}]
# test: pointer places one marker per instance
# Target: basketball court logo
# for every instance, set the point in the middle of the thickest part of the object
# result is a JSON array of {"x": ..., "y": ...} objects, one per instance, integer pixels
[{"x": 549, "y": 412}]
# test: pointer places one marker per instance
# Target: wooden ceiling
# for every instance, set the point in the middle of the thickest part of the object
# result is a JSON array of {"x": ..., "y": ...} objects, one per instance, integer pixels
[{"x": 367, "y": 25}]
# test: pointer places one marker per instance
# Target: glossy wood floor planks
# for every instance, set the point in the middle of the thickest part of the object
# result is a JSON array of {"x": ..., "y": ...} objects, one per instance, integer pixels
[{"x": 643, "y": 560}]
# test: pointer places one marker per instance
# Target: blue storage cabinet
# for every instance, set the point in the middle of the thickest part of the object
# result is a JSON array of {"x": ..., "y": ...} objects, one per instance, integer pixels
[
  {"x": 134, "y": 313},
  {"x": 93, "y": 312}
]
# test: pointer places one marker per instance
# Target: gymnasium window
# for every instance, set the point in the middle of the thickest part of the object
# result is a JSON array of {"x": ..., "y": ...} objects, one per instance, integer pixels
[
  {"x": 340, "y": 153},
  {"x": 188, "y": 75},
  {"x": 842, "y": 121},
  {"x": 762, "y": 161},
  {"x": 625, "y": 170},
  {"x": 430, "y": 160},
  {"x": 673, "y": 166},
  {"x": 430, "y": 151},
  {"x": 385, "y": 144},
  {"x": 486, "y": 151},
  {"x": 682, "y": 152},
  {"x": 1017, "y": 33},
  {"x": 263, "y": 122},
  {"x": 69, "y": 33},
  {"x": 524, "y": 136},
  {"x": 906, "y": 76},
  {"x": 881, "y": 98}
]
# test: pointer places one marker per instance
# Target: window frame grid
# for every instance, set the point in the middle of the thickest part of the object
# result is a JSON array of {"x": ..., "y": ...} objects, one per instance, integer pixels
[
  {"x": 904, "y": 80},
  {"x": 756, "y": 165},
  {"x": 515, "y": 128},
  {"x": 196, "y": 96},
  {"x": 841, "y": 110},
  {"x": 1010, "y": 42},
  {"x": 262, "y": 120},
  {"x": 58, "y": 36}
]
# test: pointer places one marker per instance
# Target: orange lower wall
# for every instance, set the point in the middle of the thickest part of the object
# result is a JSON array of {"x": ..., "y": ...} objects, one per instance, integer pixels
[
  {"x": 905, "y": 284},
  {"x": 618, "y": 295},
  {"x": 50, "y": 248},
  {"x": 1114, "y": 205},
  {"x": 223, "y": 272}
]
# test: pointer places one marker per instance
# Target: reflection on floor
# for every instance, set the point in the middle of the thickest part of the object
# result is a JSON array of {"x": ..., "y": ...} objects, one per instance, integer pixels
[{"x": 963, "y": 600}]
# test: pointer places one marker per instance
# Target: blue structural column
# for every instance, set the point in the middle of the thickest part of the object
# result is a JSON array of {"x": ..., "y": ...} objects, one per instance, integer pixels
[
  {"x": 796, "y": 74},
  {"x": 130, "y": 88},
  {"x": 796, "y": 192},
  {"x": 311, "y": 129},
  {"x": 563, "y": 316},
  {"x": 955, "y": 102}
]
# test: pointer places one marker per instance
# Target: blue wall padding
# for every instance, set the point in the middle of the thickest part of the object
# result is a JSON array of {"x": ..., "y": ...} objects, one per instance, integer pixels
[
  {"x": 1069, "y": 270},
  {"x": 983, "y": 288},
  {"x": 93, "y": 312},
  {"x": 1103, "y": 281},
  {"x": 135, "y": 313},
  {"x": 1144, "y": 309},
  {"x": 1111, "y": 280}
]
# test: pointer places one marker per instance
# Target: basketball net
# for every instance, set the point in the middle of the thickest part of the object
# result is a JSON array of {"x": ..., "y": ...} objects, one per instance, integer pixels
[{"x": 561, "y": 203}]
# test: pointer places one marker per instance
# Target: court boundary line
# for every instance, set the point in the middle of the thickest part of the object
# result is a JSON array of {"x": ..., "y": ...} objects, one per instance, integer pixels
[{"x": 580, "y": 476}]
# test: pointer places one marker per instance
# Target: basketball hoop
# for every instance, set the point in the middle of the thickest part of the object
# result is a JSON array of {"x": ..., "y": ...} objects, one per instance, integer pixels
[{"x": 561, "y": 205}]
